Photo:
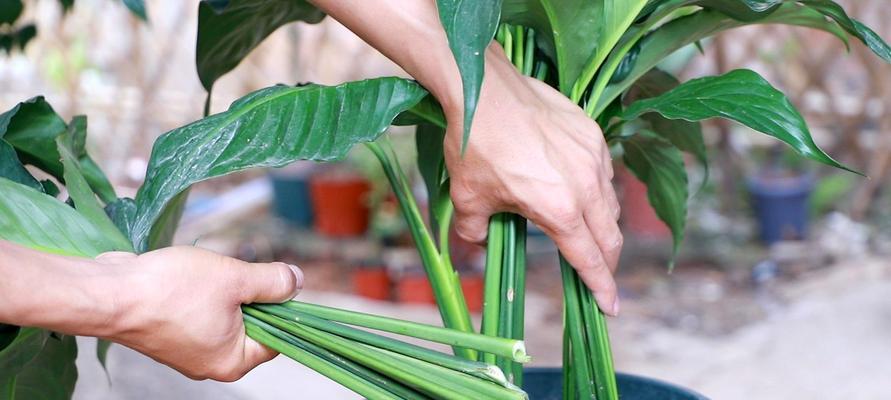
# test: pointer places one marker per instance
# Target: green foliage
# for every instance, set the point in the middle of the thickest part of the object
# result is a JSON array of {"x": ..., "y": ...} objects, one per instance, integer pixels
[
  {"x": 742, "y": 96},
  {"x": 271, "y": 127},
  {"x": 660, "y": 166},
  {"x": 229, "y": 30},
  {"x": 470, "y": 26},
  {"x": 50, "y": 375}
]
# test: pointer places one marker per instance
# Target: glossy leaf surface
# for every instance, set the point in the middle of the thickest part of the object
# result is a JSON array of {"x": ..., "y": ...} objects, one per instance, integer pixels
[
  {"x": 742, "y": 96},
  {"x": 660, "y": 166},
  {"x": 33, "y": 219},
  {"x": 687, "y": 30},
  {"x": 271, "y": 127},
  {"x": 683, "y": 134},
  {"x": 229, "y": 30},
  {"x": 32, "y": 126},
  {"x": 855, "y": 28},
  {"x": 470, "y": 26}
]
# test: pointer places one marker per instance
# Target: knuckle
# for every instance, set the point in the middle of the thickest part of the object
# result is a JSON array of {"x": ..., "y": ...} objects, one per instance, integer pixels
[{"x": 564, "y": 214}]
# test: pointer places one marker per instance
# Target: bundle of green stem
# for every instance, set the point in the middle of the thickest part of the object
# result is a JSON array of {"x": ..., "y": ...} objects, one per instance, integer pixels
[
  {"x": 587, "y": 358},
  {"x": 380, "y": 367}
]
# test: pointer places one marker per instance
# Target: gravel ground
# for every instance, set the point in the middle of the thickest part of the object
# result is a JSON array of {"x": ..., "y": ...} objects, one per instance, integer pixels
[{"x": 824, "y": 336}]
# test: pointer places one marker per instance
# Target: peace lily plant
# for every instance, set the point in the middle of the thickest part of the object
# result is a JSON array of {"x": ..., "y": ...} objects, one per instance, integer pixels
[{"x": 601, "y": 54}]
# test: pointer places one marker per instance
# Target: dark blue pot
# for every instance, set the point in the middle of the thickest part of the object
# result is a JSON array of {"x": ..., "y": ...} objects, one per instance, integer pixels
[
  {"x": 291, "y": 201},
  {"x": 781, "y": 206},
  {"x": 547, "y": 384}
]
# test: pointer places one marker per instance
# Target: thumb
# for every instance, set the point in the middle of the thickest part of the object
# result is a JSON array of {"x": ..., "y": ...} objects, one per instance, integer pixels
[
  {"x": 472, "y": 227},
  {"x": 270, "y": 283}
]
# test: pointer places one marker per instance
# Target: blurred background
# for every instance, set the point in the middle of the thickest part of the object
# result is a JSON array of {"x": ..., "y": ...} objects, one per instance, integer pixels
[{"x": 781, "y": 289}]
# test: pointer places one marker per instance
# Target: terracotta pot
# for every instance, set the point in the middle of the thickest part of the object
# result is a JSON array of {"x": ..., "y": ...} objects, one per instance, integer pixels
[
  {"x": 638, "y": 215},
  {"x": 415, "y": 289},
  {"x": 372, "y": 283},
  {"x": 339, "y": 205},
  {"x": 472, "y": 286}
]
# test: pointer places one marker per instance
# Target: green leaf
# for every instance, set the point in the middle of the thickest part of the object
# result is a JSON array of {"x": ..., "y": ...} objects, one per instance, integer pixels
[
  {"x": 79, "y": 190},
  {"x": 271, "y": 127},
  {"x": 660, "y": 166},
  {"x": 229, "y": 30},
  {"x": 855, "y": 28},
  {"x": 431, "y": 163},
  {"x": 686, "y": 30},
  {"x": 685, "y": 135},
  {"x": 102, "y": 347},
  {"x": 32, "y": 126},
  {"x": 579, "y": 34},
  {"x": 33, "y": 219},
  {"x": 11, "y": 168},
  {"x": 427, "y": 111},
  {"x": 740, "y": 95},
  {"x": 122, "y": 213},
  {"x": 469, "y": 26},
  {"x": 137, "y": 7},
  {"x": 51, "y": 375},
  {"x": 10, "y": 10},
  {"x": 742, "y": 10},
  {"x": 26, "y": 345}
]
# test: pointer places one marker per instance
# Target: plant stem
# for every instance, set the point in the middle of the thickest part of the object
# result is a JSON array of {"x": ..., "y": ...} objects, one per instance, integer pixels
[
  {"x": 428, "y": 378},
  {"x": 336, "y": 373},
  {"x": 510, "y": 348},
  {"x": 475, "y": 368},
  {"x": 443, "y": 278},
  {"x": 492, "y": 288},
  {"x": 573, "y": 324}
]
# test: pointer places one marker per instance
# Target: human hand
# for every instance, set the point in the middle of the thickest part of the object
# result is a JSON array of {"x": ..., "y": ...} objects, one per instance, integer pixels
[
  {"x": 181, "y": 307},
  {"x": 533, "y": 152}
]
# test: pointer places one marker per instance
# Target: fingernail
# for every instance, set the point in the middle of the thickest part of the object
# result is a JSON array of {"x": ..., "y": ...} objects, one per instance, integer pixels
[
  {"x": 615, "y": 312},
  {"x": 298, "y": 273}
]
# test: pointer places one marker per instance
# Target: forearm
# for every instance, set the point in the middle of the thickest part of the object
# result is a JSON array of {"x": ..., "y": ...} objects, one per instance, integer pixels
[
  {"x": 410, "y": 34},
  {"x": 64, "y": 294}
]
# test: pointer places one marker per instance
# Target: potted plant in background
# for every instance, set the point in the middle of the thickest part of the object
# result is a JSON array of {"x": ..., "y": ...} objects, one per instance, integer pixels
[
  {"x": 780, "y": 190},
  {"x": 623, "y": 41}
]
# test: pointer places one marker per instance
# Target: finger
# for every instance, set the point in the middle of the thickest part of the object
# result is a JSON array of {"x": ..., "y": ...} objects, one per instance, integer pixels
[
  {"x": 255, "y": 354},
  {"x": 472, "y": 227},
  {"x": 578, "y": 246},
  {"x": 608, "y": 194},
  {"x": 606, "y": 233},
  {"x": 270, "y": 283}
]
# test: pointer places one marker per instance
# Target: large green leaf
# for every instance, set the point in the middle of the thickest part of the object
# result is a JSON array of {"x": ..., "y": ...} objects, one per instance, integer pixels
[
  {"x": 84, "y": 199},
  {"x": 469, "y": 26},
  {"x": 578, "y": 33},
  {"x": 685, "y": 135},
  {"x": 122, "y": 213},
  {"x": 687, "y": 30},
  {"x": 740, "y": 95},
  {"x": 229, "y": 30},
  {"x": 51, "y": 375},
  {"x": 271, "y": 127},
  {"x": 614, "y": 18},
  {"x": 32, "y": 126},
  {"x": 660, "y": 166},
  {"x": 11, "y": 168},
  {"x": 855, "y": 28},
  {"x": 36, "y": 220}
]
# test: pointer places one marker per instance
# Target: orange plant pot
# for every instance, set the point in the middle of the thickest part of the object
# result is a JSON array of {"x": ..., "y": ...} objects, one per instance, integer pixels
[
  {"x": 339, "y": 205},
  {"x": 415, "y": 289},
  {"x": 372, "y": 283}
]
